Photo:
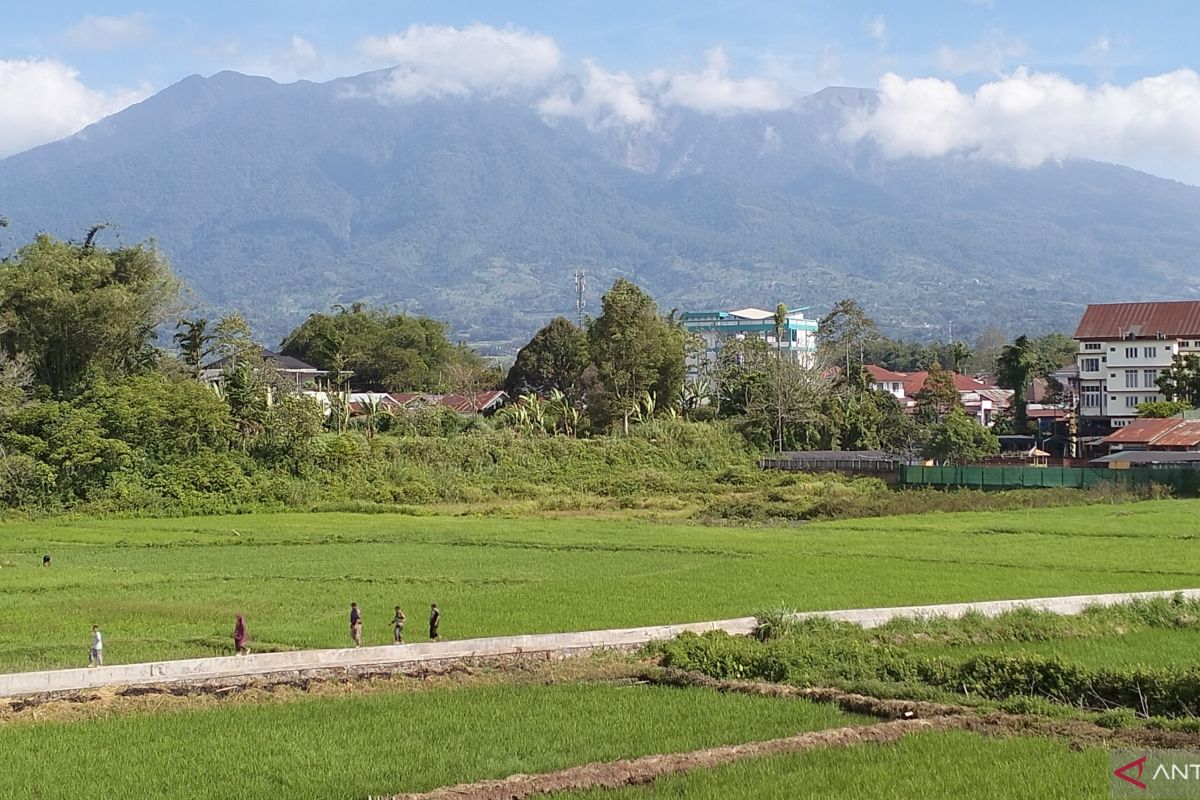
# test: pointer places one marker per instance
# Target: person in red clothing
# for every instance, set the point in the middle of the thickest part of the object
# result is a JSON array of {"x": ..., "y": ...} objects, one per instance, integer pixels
[{"x": 239, "y": 636}]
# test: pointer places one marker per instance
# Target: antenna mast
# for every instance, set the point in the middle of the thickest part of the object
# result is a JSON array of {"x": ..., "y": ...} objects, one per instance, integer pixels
[{"x": 580, "y": 287}]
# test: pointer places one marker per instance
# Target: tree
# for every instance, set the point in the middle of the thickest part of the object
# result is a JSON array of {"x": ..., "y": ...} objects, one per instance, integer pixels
[
  {"x": 958, "y": 439},
  {"x": 469, "y": 380},
  {"x": 938, "y": 396},
  {"x": 552, "y": 360},
  {"x": 1016, "y": 367},
  {"x": 385, "y": 352},
  {"x": 1182, "y": 381},
  {"x": 846, "y": 330},
  {"x": 72, "y": 310},
  {"x": 635, "y": 351},
  {"x": 194, "y": 341},
  {"x": 1162, "y": 410},
  {"x": 959, "y": 354}
]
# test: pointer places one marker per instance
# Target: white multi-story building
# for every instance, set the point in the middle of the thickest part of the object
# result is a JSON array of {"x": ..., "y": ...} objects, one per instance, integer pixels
[
  {"x": 798, "y": 339},
  {"x": 1122, "y": 350}
]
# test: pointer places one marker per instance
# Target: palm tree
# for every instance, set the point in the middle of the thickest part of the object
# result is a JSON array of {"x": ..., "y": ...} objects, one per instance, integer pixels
[{"x": 1015, "y": 368}]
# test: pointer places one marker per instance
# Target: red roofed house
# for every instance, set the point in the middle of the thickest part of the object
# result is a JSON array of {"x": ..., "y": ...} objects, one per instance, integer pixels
[
  {"x": 980, "y": 399},
  {"x": 1123, "y": 348},
  {"x": 1172, "y": 434}
]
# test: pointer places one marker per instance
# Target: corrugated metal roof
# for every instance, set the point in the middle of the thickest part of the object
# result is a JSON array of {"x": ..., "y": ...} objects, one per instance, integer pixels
[
  {"x": 1143, "y": 320},
  {"x": 1182, "y": 434},
  {"x": 1140, "y": 431}
]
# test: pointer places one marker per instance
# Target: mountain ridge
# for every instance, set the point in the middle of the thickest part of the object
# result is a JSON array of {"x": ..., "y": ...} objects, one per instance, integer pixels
[{"x": 282, "y": 199}]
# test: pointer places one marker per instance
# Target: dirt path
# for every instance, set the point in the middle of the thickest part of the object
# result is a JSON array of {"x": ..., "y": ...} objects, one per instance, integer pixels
[{"x": 638, "y": 771}]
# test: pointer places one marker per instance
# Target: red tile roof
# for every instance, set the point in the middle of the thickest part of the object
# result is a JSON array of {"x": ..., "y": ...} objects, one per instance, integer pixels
[
  {"x": 1143, "y": 320},
  {"x": 462, "y": 403},
  {"x": 1140, "y": 431},
  {"x": 914, "y": 381}
]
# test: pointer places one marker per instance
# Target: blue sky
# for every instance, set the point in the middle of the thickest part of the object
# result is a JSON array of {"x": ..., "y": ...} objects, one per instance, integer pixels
[{"x": 64, "y": 64}]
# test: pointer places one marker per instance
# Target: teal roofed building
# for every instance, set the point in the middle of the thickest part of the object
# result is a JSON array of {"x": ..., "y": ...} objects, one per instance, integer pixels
[{"x": 798, "y": 339}]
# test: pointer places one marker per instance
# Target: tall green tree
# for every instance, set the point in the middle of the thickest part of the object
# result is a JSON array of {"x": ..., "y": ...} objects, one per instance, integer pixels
[
  {"x": 385, "y": 352},
  {"x": 938, "y": 396},
  {"x": 1016, "y": 367},
  {"x": 74, "y": 309},
  {"x": 553, "y": 360},
  {"x": 845, "y": 333},
  {"x": 194, "y": 340},
  {"x": 1181, "y": 382},
  {"x": 958, "y": 439},
  {"x": 635, "y": 352}
]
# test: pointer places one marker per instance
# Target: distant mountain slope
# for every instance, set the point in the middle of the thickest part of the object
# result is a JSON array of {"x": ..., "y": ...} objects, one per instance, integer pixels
[{"x": 283, "y": 199}]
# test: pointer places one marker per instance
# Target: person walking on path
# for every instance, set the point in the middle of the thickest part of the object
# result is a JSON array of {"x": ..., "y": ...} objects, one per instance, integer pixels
[
  {"x": 435, "y": 619},
  {"x": 398, "y": 626},
  {"x": 356, "y": 624},
  {"x": 239, "y": 636},
  {"x": 96, "y": 654}
]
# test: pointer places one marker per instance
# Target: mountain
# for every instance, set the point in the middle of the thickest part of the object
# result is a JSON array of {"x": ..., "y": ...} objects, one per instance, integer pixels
[{"x": 281, "y": 200}]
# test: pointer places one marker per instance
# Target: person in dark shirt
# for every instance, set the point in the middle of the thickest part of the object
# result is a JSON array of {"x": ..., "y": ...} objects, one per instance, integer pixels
[
  {"x": 355, "y": 624},
  {"x": 239, "y": 636},
  {"x": 435, "y": 618},
  {"x": 46, "y": 560}
]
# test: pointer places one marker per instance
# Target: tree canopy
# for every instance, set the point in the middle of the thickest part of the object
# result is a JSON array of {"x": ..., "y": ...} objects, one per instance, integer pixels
[{"x": 554, "y": 359}]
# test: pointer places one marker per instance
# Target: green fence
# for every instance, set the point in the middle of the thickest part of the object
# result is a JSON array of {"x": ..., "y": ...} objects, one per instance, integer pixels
[{"x": 1182, "y": 480}]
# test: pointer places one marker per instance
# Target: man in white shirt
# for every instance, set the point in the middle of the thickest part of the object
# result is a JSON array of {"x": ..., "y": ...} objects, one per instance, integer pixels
[{"x": 96, "y": 654}]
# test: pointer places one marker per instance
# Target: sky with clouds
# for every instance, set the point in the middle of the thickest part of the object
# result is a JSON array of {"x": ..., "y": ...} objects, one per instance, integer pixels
[{"x": 1014, "y": 82}]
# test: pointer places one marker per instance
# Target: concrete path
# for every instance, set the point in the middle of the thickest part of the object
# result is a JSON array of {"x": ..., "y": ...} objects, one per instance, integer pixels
[{"x": 409, "y": 656}]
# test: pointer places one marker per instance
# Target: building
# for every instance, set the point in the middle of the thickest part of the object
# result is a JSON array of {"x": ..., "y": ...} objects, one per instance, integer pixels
[
  {"x": 293, "y": 371},
  {"x": 1122, "y": 349},
  {"x": 798, "y": 339},
  {"x": 980, "y": 399}
]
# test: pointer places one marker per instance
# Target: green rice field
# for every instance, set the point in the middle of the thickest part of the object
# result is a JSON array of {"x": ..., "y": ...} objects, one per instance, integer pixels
[
  {"x": 170, "y": 588},
  {"x": 384, "y": 743}
]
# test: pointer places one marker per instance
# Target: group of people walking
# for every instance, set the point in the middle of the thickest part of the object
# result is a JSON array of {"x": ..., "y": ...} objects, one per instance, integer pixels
[
  {"x": 397, "y": 623},
  {"x": 241, "y": 634}
]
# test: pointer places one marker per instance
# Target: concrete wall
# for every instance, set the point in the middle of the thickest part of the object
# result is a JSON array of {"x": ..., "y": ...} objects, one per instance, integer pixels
[{"x": 399, "y": 657}]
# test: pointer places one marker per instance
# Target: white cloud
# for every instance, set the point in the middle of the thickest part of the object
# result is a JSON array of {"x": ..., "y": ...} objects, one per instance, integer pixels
[
  {"x": 1100, "y": 46},
  {"x": 42, "y": 100},
  {"x": 876, "y": 28},
  {"x": 1028, "y": 118},
  {"x": 989, "y": 56},
  {"x": 712, "y": 91},
  {"x": 106, "y": 33},
  {"x": 301, "y": 58},
  {"x": 437, "y": 60},
  {"x": 602, "y": 99}
]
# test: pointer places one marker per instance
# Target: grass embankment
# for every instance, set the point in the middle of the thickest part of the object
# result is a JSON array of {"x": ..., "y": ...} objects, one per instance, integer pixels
[
  {"x": 1024, "y": 661},
  {"x": 663, "y": 470},
  {"x": 937, "y": 766},
  {"x": 382, "y": 743},
  {"x": 170, "y": 588}
]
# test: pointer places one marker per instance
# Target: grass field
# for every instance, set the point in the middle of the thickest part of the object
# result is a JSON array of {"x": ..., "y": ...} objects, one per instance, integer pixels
[
  {"x": 356, "y": 745},
  {"x": 171, "y": 588},
  {"x": 941, "y": 766}
]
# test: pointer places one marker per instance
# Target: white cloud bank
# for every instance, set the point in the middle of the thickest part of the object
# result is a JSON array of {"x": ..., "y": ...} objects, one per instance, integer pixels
[
  {"x": 603, "y": 99},
  {"x": 712, "y": 91},
  {"x": 1028, "y": 118},
  {"x": 43, "y": 100},
  {"x": 439, "y": 60}
]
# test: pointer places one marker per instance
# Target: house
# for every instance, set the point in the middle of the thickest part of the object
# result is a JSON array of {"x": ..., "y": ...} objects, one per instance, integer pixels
[
  {"x": 1173, "y": 434},
  {"x": 293, "y": 371},
  {"x": 1122, "y": 349},
  {"x": 980, "y": 399},
  {"x": 797, "y": 335}
]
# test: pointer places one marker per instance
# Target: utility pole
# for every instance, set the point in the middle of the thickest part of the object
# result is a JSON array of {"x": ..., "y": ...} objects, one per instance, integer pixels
[{"x": 580, "y": 287}]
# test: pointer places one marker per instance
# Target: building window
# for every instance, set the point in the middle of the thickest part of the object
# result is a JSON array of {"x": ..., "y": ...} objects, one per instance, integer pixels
[
  {"x": 1090, "y": 364},
  {"x": 1149, "y": 377},
  {"x": 1131, "y": 352},
  {"x": 1093, "y": 346},
  {"x": 1150, "y": 352},
  {"x": 1131, "y": 401},
  {"x": 1090, "y": 396},
  {"x": 1131, "y": 379}
]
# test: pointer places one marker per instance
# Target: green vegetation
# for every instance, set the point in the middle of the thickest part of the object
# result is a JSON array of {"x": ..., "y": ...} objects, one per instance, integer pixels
[
  {"x": 938, "y": 766},
  {"x": 382, "y": 743},
  {"x": 1016, "y": 659},
  {"x": 171, "y": 587}
]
